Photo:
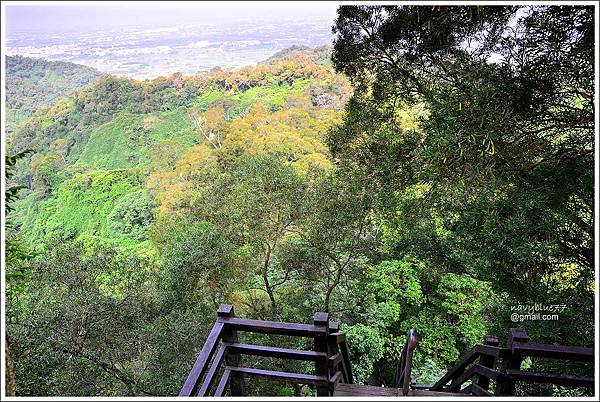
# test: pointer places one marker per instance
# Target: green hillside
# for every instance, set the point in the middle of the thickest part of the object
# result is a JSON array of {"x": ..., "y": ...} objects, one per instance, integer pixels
[
  {"x": 122, "y": 128},
  {"x": 32, "y": 83}
]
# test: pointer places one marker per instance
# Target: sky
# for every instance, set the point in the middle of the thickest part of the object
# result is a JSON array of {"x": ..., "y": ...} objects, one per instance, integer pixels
[{"x": 39, "y": 17}]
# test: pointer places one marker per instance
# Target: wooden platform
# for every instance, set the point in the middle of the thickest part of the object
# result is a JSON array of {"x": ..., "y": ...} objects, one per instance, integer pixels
[{"x": 367, "y": 390}]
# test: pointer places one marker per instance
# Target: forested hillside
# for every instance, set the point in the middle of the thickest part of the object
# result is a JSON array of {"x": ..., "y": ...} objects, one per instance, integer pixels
[
  {"x": 33, "y": 83},
  {"x": 399, "y": 180}
]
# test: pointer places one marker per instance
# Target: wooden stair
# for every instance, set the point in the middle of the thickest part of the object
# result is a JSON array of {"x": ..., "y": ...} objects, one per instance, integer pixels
[{"x": 368, "y": 390}]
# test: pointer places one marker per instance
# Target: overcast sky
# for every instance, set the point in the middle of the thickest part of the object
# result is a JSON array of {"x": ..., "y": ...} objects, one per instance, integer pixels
[{"x": 54, "y": 18}]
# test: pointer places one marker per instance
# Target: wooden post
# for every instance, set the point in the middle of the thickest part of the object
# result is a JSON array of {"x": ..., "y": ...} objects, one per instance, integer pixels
[
  {"x": 505, "y": 386},
  {"x": 321, "y": 345},
  {"x": 487, "y": 361},
  {"x": 236, "y": 381}
]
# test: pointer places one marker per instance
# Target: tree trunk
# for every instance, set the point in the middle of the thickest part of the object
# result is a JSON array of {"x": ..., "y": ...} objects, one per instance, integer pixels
[{"x": 10, "y": 372}]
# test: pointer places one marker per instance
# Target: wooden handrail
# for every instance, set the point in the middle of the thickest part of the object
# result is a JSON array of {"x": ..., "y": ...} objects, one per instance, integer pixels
[
  {"x": 517, "y": 347},
  {"x": 283, "y": 353},
  {"x": 193, "y": 380},
  {"x": 553, "y": 351},
  {"x": 560, "y": 379},
  {"x": 280, "y": 375},
  {"x": 331, "y": 358},
  {"x": 214, "y": 367},
  {"x": 476, "y": 369},
  {"x": 273, "y": 327}
]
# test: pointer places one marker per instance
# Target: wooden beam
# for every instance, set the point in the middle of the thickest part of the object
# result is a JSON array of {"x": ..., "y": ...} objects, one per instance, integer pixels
[
  {"x": 553, "y": 351},
  {"x": 221, "y": 388},
  {"x": 273, "y": 327},
  {"x": 553, "y": 378},
  {"x": 283, "y": 353},
  {"x": 281, "y": 376}
]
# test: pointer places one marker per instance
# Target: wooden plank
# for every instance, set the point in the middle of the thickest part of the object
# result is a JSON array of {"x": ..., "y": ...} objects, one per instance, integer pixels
[
  {"x": 281, "y": 376},
  {"x": 223, "y": 382},
  {"x": 364, "y": 390},
  {"x": 273, "y": 327},
  {"x": 560, "y": 379},
  {"x": 554, "y": 351},
  {"x": 210, "y": 376},
  {"x": 190, "y": 387},
  {"x": 359, "y": 390},
  {"x": 423, "y": 392},
  {"x": 283, "y": 353}
]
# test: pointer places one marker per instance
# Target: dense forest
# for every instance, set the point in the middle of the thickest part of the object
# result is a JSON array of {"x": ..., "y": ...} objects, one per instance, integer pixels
[
  {"x": 33, "y": 83},
  {"x": 432, "y": 170}
]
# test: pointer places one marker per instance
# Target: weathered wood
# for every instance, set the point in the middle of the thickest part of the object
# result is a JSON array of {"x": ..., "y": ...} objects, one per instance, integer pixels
[
  {"x": 190, "y": 387},
  {"x": 553, "y": 351},
  {"x": 273, "y": 327},
  {"x": 309, "y": 379},
  {"x": 283, "y": 353},
  {"x": 321, "y": 320},
  {"x": 232, "y": 358},
  {"x": 210, "y": 376},
  {"x": 506, "y": 386},
  {"x": 560, "y": 379},
  {"x": 220, "y": 391},
  {"x": 487, "y": 361}
]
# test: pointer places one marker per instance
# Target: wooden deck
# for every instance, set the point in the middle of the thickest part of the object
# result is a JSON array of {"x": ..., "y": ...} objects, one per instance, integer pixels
[{"x": 367, "y": 390}]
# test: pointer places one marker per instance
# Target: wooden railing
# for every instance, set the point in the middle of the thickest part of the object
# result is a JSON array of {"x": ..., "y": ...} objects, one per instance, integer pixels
[
  {"x": 402, "y": 378},
  {"x": 330, "y": 355},
  {"x": 479, "y": 366}
]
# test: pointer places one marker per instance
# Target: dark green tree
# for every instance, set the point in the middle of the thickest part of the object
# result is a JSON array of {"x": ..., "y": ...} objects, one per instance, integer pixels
[{"x": 488, "y": 112}]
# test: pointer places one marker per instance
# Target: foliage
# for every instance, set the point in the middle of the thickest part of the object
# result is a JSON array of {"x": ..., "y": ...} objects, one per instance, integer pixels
[
  {"x": 32, "y": 83},
  {"x": 502, "y": 148},
  {"x": 132, "y": 216}
]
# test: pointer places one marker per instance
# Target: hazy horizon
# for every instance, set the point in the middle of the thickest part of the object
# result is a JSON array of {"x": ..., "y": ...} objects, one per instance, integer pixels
[{"x": 149, "y": 40}]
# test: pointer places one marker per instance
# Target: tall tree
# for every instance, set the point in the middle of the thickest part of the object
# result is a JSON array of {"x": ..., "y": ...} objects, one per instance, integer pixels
[{"x": 503, "y": 145}]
